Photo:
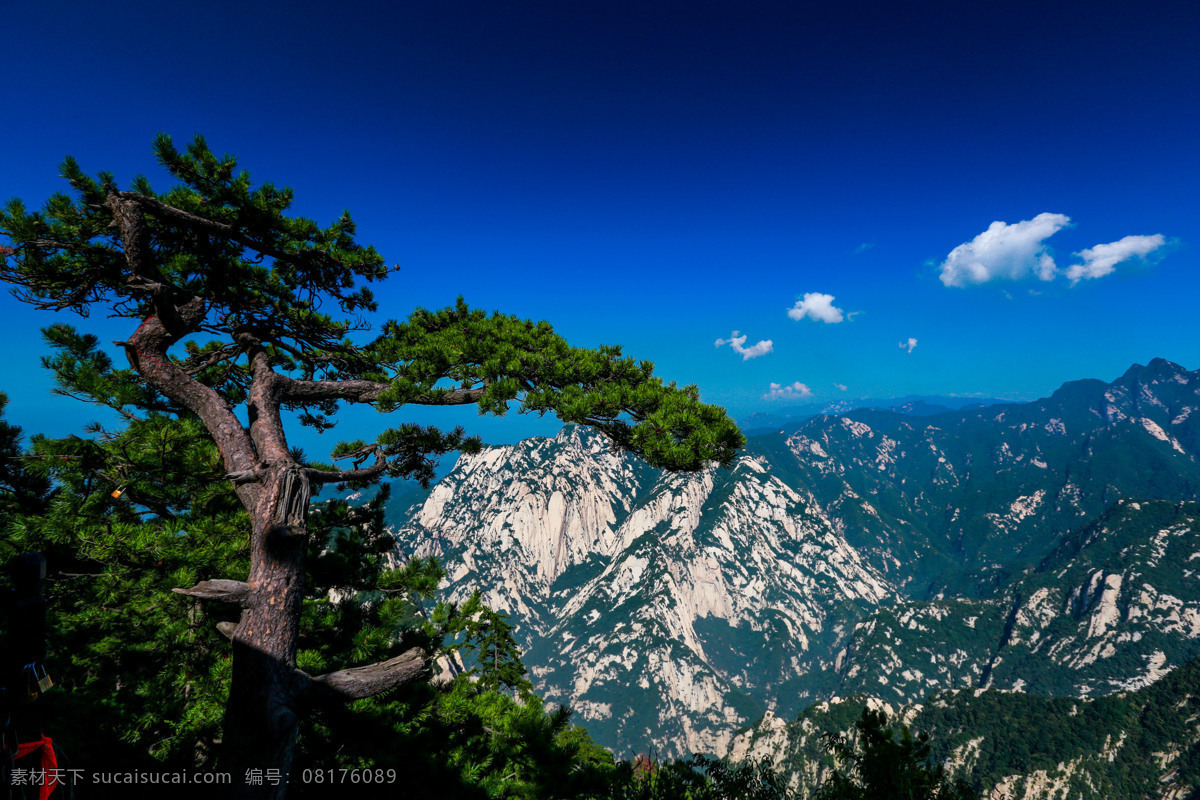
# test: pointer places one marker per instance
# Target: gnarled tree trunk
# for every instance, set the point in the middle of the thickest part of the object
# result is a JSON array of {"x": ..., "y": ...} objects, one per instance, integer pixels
[
  {"x": 263, "y": 716},
  {"x": 268, "y": 692}
]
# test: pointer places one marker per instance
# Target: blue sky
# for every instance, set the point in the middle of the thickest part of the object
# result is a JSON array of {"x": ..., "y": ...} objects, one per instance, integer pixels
[{"x": 950, "y": 198}]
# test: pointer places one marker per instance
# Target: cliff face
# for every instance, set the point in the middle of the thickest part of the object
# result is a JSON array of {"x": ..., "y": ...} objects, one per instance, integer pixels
[
  {"x": 1043, "y": 548},
  {"x": 949, "y": 503},
  {"x": 667, "y": 610}
]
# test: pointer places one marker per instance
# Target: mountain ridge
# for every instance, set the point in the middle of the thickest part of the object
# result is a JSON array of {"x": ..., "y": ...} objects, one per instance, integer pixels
[
  {"x": 670, "y": 609},
  {"x": 1125, "y": 746}
]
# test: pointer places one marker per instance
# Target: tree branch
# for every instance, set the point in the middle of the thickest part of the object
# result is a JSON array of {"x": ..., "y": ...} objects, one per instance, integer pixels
[
  {"x": 162, "y": 210},
  {"x": 319, "y": 476},
  {"x": 119, "y": 409},
  {"x": 75, "y": 247},
  {"x": 337, "y": 352},
  {"x": 221, "y": 589},
  {"x": 357, "y": 683},
  {"x": 195, "y": 365},
  {"x": 455, "y": 397},
  {"x": 262, "y": 404},
  {"x": 355, "y": 391},
  {"x": 177, "y": 313},
  {"x": 359, "y": 391},
  {"x": 363, "y": 474}
]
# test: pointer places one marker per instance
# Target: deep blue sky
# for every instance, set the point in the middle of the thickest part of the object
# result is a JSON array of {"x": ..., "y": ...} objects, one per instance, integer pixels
[{"x": 660, "y": 175}]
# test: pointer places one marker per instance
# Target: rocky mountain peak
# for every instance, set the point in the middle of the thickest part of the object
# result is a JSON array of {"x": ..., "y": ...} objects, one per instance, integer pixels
[
  {"x": 868, "y": 551},
  {"x": 666, "y": 608},
  {"x": 1158, "y": 368}
]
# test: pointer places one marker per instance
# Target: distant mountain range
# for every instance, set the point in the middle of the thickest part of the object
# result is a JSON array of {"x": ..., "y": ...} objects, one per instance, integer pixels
[
  {"x": 911, "y": 405},
  {"x": 1048, "y": 547}
]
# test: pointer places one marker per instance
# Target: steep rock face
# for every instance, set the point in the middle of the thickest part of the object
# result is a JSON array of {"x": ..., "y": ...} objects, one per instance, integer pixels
[
  {"x": 903, "y": 652},
  {"x": 526, "y": 521},
  {"x": 866, "y": 552},
  {"x": 666, "y": 609},
  {"x": 1114, "y": 608},
  {"x": 729, "y": 593}
]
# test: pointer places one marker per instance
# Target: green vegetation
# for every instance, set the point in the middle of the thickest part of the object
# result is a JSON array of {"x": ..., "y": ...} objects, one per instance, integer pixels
[
  {"x": 238, "y": 306},
  {"x": 882, "y": 763},
  {"x": 1119, "y": 747},
  {"x": 1024, "y": 733},
  {"x": 21, "y": 491},
  {"x": 204, "y": 614},
  {"x": 150, "y": 668},
  {"x": 136, "y": 512}
]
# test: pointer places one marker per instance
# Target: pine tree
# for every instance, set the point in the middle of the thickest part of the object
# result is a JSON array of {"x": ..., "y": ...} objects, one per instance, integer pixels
[
  {"x": 137, "y": 511},
  {"x": 21, "y": 491},
  {"x": 148, "y": 665},
  {"x": 242, "y": 306},
  {"x": 880, "y": 763},
  {"x": 487, "y": 640}
]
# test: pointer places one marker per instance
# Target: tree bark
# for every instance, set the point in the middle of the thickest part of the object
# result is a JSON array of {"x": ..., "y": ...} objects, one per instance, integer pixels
[
  {"x": 261, "y": 719},
  {"x": 267, "y": 690}
]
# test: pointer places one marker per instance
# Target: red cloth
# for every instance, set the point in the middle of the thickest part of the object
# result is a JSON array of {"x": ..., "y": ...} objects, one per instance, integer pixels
[{"x": 49, "y": 763}]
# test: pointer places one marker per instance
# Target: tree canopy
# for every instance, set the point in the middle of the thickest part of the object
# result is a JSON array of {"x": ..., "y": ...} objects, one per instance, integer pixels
[
  {"x": 218, "y": 256},
  {"x": 151, "y": 669},
  {"x": 248, "y": 313},
  {"x": 881, "y": 763}
]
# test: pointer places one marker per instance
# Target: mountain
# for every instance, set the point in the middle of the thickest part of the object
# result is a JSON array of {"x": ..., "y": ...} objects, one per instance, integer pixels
[
  {"x": 911, "y": 405},
  {"x": 1115, "y": 607},
  {"x": 667, "y": 610},
  {"x": 1016, "y": 746},
  {"x": 946, "y": 503},
  {"x": 1040, "y": 547}
]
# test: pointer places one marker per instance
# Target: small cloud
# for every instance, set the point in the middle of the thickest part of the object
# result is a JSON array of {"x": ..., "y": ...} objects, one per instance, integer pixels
[
  {"x": 1102, "y": 259},
  {"x": 841, "y": 387},
  {"x": 794, "y": 392},
  {"x": 738, "y": 343},
  {"x": 1003, "y": 251},
  {"x": 910, "y": 345},
  {"x": 864, "y": 247},
  {"x": 817, "y": 306}
]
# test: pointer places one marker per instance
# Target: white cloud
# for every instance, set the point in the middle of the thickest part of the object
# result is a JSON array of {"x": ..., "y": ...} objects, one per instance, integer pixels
[
  {"x": 910, "y": 344},
  {"x": 1102, "y": 259},
  {"x": 738, "y": 343},
  {"x": 841, "y": 387},
  {"x": 1005, "y": 251},
  {"x": 794, "y": 392},
  {"x": 817, "y": 306}
]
